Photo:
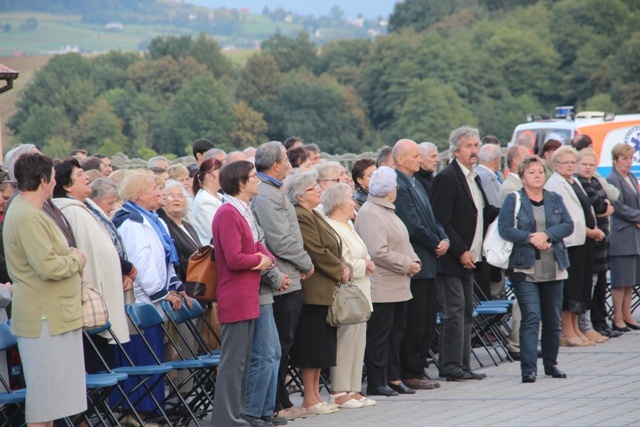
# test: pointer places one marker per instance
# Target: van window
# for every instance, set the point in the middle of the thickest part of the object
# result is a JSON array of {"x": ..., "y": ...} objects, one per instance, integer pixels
[{"x": 540, "y": 135}]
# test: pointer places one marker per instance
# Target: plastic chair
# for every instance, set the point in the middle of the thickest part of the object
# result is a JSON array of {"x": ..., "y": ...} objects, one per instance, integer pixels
[{"x": 10, "y": 398}]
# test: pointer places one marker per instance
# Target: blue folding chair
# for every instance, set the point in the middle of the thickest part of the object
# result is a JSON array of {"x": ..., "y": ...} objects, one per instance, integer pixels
[{"x": 11, "y": 401}]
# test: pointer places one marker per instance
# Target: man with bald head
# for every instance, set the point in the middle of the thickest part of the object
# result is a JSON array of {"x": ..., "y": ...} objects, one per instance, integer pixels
[
  {"x": 512, "y": 182},
  {"x": 460, "y": 205},
  {"x": 429, "y": 241}
]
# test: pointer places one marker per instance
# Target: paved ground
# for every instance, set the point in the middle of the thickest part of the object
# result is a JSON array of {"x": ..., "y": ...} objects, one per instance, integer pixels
[{"x": 602, "y": 389}]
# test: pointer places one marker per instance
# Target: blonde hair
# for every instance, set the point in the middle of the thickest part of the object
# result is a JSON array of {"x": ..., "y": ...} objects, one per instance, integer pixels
[
  {"x": 621, "y": 149},
  {"x": 587, "y": 152},
  {"x": 564, "y": 151},
  {"x": 134, "y": 182},
  {"x": 177, "y": 171}
]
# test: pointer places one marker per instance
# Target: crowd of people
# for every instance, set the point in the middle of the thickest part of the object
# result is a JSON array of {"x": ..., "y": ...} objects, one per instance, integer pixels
[{"x": 287, "y": 228}]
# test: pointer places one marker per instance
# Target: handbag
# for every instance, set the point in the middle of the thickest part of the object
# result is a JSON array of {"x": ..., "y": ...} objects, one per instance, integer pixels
[
  {"x": 350, "y": 306},
  {"x": 202, "y": 274},
  {"x": 94, "y": 309},
  {"x": 495, "y": 249}
]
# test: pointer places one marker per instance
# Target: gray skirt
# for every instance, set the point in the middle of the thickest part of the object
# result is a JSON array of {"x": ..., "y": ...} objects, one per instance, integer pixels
[
  {"x": 625, "y": 271},
  {"x": 54, "y": 372}
]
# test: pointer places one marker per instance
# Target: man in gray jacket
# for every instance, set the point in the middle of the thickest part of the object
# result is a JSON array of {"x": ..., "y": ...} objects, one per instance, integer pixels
[{"x": 277, "y": 217}]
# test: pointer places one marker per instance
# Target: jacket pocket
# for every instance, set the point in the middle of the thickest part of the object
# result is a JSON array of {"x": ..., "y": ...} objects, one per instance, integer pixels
[{"x": 71, "y": 308}]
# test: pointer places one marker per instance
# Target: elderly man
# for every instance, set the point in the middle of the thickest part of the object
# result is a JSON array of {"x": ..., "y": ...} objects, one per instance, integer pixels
[
  {"x": 314, "y": 153},
  {"x": 430, "y": 160},
  {"x": 158, "y": 162},
  {"x": 235, "y": 156},
  {"x": 512, "y": 182},
  {"x": 385, "y": 158},
  {"x": 460, "y": 205},
  {"x": 216, "y": 153},
  {"x": 278, "y": 219},
  {"x": 429, "y": 242},
  {"x": 489, "y": 158}
]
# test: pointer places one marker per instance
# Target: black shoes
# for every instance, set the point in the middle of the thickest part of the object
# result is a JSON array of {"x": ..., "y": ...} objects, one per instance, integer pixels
[
  {"x": 515, "y": 355},
  {"x": 632, "y": 326},
  {"x": 554, "y": 372},
  {"x": 400, "y": 388},
  {"x": 381, "y": 391},
  {"x": 529, "y": 378},
  {"x": 276, "y": 421},
  {"x": 623, "y": 329},
  {"x": 607, "y": 331},
  {"x": 464, "y": 376},
  {"x": 258, "y": 422}
]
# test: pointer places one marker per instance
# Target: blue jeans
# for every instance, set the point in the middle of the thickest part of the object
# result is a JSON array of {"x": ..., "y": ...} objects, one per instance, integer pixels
[
  {"x": 539, "y": 302},
  {"x": 262, "y": 381}
]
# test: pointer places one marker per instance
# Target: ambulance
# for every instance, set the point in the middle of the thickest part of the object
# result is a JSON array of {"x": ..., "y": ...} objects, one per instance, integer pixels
[{"x": 605, "y": 129}]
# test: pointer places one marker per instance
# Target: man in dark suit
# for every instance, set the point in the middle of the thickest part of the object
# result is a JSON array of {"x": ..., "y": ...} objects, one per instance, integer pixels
[
  {"x": 460, "y": 205},
  {"x": 429, "y": 241}
]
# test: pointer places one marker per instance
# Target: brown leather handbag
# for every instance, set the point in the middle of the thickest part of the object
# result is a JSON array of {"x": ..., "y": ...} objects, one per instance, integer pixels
[{"x": 202, "y": 274}]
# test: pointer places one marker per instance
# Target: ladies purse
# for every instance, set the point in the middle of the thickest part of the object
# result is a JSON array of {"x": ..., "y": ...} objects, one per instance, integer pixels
[
  {"x": 349, "y": 306},
  {"x": 94, "y": 309},
  {"x": 202, "y": 274},
  {"x": 495, "y": 249}
]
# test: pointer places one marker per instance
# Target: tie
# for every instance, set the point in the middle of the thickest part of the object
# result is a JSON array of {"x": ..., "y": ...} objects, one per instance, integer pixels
[{"x": 498, "y": 176}]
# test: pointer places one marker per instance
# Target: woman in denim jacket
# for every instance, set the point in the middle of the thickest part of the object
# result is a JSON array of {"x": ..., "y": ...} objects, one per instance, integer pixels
[{"x": 537, "y": 266}]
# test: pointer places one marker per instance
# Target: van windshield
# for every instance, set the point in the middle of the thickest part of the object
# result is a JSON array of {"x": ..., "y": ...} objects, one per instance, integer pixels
[{"x": 539, "y": 136}]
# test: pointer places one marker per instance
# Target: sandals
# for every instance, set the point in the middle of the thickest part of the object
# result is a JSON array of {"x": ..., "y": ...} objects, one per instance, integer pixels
[
  {"x": 365, "y": 400},
  {"x": 323, "y": 408},
  {"x": 352, "y": 403}
]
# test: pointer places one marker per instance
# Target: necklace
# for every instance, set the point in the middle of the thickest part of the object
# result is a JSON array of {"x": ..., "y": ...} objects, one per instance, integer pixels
[{"x": 213, "y": 194}]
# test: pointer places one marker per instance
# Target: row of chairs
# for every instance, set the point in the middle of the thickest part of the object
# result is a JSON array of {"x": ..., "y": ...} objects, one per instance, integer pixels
[{"x": 187, "y": 402}]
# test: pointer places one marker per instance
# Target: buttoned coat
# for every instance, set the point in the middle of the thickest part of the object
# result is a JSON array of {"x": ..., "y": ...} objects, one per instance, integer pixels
[
  {"x": 454, "y": 208},
  {"x": 424, "y": 231},
  {"x": 625, "y": 236}
]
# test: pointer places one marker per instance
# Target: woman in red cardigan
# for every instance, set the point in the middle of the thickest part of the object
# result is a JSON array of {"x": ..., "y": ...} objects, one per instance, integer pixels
[{"x": 240, "y": 257}]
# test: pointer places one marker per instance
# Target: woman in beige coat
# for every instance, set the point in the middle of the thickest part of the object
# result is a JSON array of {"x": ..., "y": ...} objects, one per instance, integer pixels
[
  {"x": 346, "y": 376},
  {"x": 387, "y": 242}
]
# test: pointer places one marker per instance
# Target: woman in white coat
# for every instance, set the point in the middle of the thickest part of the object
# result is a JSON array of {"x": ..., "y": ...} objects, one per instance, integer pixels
[
  {"x": 207, "y": 200},
  {"x": 346, "y": 376},
  {"x": 70, "y": 193}
]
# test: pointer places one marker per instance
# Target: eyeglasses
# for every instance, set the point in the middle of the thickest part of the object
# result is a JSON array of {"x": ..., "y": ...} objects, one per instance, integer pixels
[
  {"x": 176, "y": 197},
  {"x": 314, "y": 188},
  {"x": 336, "y": 180}
]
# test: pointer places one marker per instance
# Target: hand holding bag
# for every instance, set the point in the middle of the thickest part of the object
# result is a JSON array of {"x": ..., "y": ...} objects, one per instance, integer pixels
[
  {"x": 350, "y": 306},
  {"x": 495, "y": 249},
  {"x": 202, "y": 274},
  {"x": 94, "y": 309}
]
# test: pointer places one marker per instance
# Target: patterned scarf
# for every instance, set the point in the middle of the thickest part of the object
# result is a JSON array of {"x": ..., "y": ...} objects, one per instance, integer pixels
[{"x": 111, "y": 229}]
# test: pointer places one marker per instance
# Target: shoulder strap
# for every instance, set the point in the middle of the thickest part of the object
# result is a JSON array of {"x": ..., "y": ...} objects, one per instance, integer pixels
[{"x": 516, "y": 209}]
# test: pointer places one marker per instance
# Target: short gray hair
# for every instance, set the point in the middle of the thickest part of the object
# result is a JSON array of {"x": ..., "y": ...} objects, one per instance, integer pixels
[
  {"x": 427, "y": 147},
  {"x": 383, "y": 181},
  {"x": 267, "y": 154},
  {"x": 335, "y": 196},
  {"x": 103, "y": 188},
  {"x": 214, "y": 152},
  {"x": 463, "y": 132},
  {"x": 173, "y": 183},
  {"x": 296, "y": 185},
  {"x": 326, "y": 169},
  {"x": 13, "y": 155},
  {"x": 153, "y": 162},
  {"x": 488, "y": 153}
]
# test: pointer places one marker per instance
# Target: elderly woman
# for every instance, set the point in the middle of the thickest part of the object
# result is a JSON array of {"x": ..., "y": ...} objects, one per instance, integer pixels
[
  {"x": 207, "y": 200},
  {"x": 181, "y": 174},
  {"x": 396, "y": 261},
  {"x": 580, "y": 244},
  {"x": 151, "y": 250},
  {"x": 329, "y": 174},
  {"x": 537, "y": 266},
  {"x": 346, "y": 376},
  {"x": 625, "y": 237},
  {"x": 587, "y": 163},
  {"x": 240, "y": 258},
  {"x": 70, "y": 193},
  {"x": 314, "y": 346},
  {"x": 43, "y": 268},
  {"x": 361, "y": 174}
]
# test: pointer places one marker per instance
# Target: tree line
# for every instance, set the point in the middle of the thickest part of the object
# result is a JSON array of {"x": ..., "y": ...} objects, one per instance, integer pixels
[{"x": 484, "y": 63}]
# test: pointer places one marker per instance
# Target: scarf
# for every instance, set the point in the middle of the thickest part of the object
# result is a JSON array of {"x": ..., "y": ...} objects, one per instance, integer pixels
[{"x": 111, "y": 229}]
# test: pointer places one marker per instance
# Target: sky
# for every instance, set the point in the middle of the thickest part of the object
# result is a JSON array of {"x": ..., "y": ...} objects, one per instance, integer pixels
[{"x": 369, "y": 8}]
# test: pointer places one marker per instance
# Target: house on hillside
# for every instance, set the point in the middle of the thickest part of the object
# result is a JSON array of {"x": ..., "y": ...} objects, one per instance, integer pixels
[
  {"x": 115, "y": 26},
  {"x": 8, "y": 75}
]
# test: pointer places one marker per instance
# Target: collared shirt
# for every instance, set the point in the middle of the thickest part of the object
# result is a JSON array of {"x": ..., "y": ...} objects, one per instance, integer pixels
[
  {"x": 245, "y": 210},
  {"x": 269, "y": 178},
  {"x": 476, "y": 194}
]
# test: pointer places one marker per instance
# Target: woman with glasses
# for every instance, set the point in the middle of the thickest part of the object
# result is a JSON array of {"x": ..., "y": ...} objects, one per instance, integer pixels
[
  {"x": 580, "y": 244},
  {"x": 240, "y": 258},
  {"x": 315, "y": 343},
  {"x": 207, "y": 200}
]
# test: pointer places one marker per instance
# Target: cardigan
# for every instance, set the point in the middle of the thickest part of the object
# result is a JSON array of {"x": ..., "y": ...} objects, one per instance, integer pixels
[
  {"x": 44, "y": 271},
  {"x": 102, "y": 271},
  {"x": 558, "y": 184},
  {"x": 238, "y": 289},
  {"x": 325, "y": 250}
]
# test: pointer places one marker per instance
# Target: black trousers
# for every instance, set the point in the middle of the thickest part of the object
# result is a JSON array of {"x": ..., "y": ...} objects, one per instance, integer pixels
[
  {"x": 598, "y": 303},
  {"x": 286, "y": 313},
  {"x": 385, "y": 330},
  {"x": 422, "y": 310}
]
